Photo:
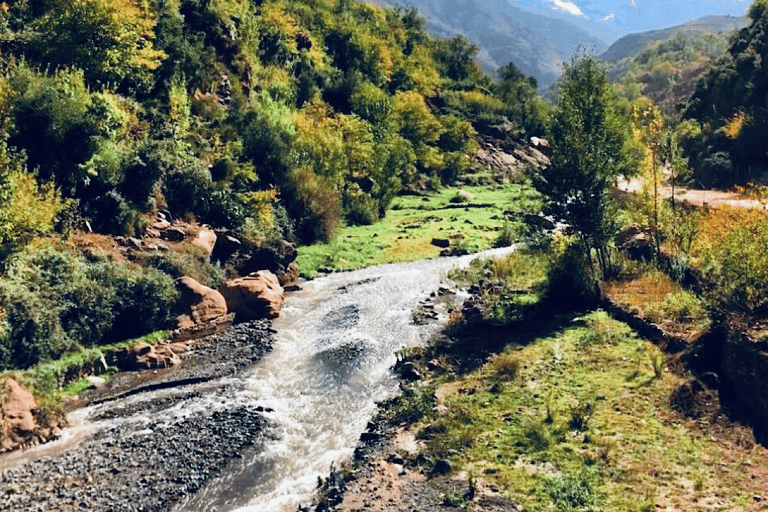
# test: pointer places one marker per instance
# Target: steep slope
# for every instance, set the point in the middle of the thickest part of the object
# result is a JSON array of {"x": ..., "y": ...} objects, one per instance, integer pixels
[
  {"x": 729, "y": 103},
  {"x": 667, "y": 71},
  {"x": 537, "y": 44},
  {"x": 631, "y": 44}
]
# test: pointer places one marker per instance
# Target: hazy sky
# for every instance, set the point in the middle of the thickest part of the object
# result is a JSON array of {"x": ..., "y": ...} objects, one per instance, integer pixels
[{"x": 639, "y": 15}]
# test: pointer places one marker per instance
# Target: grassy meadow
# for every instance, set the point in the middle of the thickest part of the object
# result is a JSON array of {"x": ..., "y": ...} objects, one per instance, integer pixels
[{"x": 473, "y": 218}]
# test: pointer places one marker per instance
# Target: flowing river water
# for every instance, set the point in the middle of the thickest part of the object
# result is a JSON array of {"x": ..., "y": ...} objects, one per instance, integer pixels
[{"x": 330, "y": 364}]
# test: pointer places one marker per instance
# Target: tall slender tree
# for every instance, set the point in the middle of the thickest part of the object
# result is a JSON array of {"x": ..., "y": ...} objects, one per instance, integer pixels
[{"x": 587, "y": 156}]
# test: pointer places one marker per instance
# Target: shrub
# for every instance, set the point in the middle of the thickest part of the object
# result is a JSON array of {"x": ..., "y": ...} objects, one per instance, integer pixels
[
  {"x": 682, "y": 306},
  {"x": 572, "y": 282},
  {"x": 55, "y": 302},
  {"x": 188, "y": 260},
  {"x": 571, "y": 492}
]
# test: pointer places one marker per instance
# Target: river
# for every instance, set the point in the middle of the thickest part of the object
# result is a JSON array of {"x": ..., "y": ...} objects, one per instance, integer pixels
[{"x": 336, "y": 341}]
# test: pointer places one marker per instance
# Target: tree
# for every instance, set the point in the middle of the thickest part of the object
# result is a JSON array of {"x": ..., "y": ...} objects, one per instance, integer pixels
[
  {"x": 648, "y": 131},
  {"x": 587, "y": 156},
  {"x": 111, "y": 41}
]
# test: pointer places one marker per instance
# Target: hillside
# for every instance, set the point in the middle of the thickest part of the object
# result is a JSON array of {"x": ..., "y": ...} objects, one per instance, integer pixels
[
  {"x": 668, "y": 70},
  {"x": 729, "y": 106},
  {"x": 631, "y": 44},
  {"x": 537, "y": 44},
  {"x": 269, "y": 122}
]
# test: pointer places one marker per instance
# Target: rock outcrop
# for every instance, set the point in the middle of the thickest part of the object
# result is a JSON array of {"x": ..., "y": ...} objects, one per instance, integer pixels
[
  {"x": 205, "y": 239},
  {"x": 635, "y": 241},
  {"x": 197, "y": 304},
  {"x": 257, "y": 295},
  {"x": 18, "y": 416},
  {"x": 245, "y": 257},
  {"x": 149, "y": 357},
  {"x": 19, "y": 425}
]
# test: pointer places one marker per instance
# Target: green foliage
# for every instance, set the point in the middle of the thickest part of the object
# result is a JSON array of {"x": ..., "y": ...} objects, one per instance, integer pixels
[
  {"x": 587, "y": 156},
  {"x": 730, "y": 99},
  {"x": 571, "y": 492},
  {"x": 571, "y": 281},
  {"x": 27, "y": 209},
  {"x": 111, "y": 41},
  {"x": 683, "y": 307},
  {"x": 54, "y": 302}
]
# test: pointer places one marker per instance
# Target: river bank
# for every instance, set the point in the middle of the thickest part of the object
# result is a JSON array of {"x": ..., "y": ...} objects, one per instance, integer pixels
[
  {"x": 147, "y": 452},
  {"x": 567, "y": 411}
]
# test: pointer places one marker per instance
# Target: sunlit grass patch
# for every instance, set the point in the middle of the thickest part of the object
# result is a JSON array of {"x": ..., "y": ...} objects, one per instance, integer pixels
[
  {"x": 581, "y": 420},
  {"x": 655, "y": 296},
  {"x": 405, "y": 234}
]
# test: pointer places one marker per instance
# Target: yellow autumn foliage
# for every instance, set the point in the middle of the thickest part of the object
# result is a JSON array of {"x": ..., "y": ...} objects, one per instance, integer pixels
[
  {"x": 717, "y": 224},
  {"x": 735, "y": 124}
]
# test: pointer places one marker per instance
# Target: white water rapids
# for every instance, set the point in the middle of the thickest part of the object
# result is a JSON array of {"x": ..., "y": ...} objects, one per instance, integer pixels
[{"x": 336, "y": 342}]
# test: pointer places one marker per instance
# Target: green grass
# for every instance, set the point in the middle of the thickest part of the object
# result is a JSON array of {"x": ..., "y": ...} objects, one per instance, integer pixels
[
  {"x": 53, "y": 380},
  {"x": 405, "y": 233},
  {"x": 579, "y": 419}
]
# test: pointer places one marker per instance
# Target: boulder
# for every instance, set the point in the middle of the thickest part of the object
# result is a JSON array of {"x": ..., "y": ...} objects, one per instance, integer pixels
[
  {"x": 226, "y": 247},
  {"x": 18, "y": 416},
  {"x": 205, "y": 239},
  {"x": 197, "y": 304},
  {"x": 634, "y": 240},
  {"x": 257, "y": 295},
  {"x": 288, "y": 275},
  {"x": 539, "y": 221},
  {"x": 441, "y": 242},
  {"x": 174, "y": 234},
  {"x": 274, "y": 256},
  {"x": 145, "y": 357}
]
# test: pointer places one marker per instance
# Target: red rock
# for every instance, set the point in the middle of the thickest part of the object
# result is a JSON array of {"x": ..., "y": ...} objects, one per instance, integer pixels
[
  {"x": 18, "y": 415},
  {"x": 257, "y": 295},
  {"x": 205, "y": 239},
  {"x": 197, "y": 304}
]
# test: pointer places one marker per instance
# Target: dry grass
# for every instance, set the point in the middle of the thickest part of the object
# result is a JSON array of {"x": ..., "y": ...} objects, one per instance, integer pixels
[{"x": 639, "y": 293}]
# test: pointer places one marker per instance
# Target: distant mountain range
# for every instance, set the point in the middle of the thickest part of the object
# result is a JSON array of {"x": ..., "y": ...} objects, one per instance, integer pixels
[
  {"x": 538, "y": 44},
  {"x": 633, "y": 43},
  {"x": 538, "y": 39}
]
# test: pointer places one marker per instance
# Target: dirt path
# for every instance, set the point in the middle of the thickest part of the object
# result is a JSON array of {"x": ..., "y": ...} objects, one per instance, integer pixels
[{"x": 710, "y": 198}]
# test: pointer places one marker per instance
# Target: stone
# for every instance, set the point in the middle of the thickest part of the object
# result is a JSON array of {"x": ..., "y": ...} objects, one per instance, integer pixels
[
  {"x": 174, "y": 234},
  {"x": 226, "y": 247},
  {"x": 18, "y": 415},
  {"x": 288, "y": 275},
  {"x": 100, "y": 365},
  {"x": 145, "y": 357},
  {"x": 205, "y": 239},
  {"x": 408, "y": 371},
  {"x": 257, "y": 295},
  {"x": 633, "y": 240},
  {"x": 539, "y": 221},
  {"x": 96, "y": 382},
  {"x": 442, "y": 467},
  {"x": 197, "y": 304},
  {"x": 441, "y": 242}
]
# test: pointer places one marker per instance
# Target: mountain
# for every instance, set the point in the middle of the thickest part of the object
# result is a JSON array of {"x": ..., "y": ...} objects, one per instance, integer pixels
[
  {"x": 633, "y": 16},
  {"x": 631, "y": 44},
  {"x": 537, "y": 44}
]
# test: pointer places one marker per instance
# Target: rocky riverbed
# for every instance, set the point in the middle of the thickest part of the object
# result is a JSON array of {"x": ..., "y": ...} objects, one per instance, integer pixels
[{"x": 150, "y": 450}]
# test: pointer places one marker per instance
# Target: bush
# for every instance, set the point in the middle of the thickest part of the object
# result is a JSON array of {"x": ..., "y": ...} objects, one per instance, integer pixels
[
  {"x": 188, "y": 260},
  {"x": 571, "y": 280},
  {"x": 571, "y": 492},
  {"x": 54, "y": 302},
  {"x": 682, "y": 306}
]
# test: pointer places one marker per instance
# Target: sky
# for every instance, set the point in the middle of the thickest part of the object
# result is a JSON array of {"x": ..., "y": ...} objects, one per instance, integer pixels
[{"x": 627, "y": 16}]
